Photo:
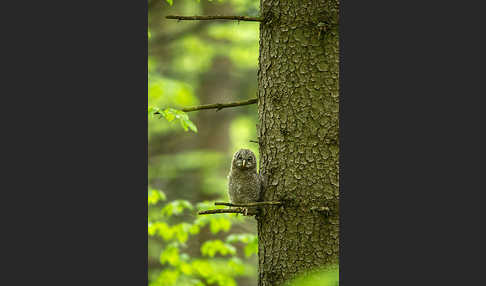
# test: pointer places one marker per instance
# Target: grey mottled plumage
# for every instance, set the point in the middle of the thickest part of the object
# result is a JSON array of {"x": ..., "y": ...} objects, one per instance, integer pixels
[{"x": 245, "y": 184}]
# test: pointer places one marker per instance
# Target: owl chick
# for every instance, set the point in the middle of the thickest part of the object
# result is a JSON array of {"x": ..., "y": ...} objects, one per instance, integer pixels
[{"x": 245, "y": 184}]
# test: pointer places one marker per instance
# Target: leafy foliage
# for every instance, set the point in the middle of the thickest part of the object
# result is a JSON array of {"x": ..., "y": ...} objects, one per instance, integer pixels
[
  {"x": 170, "y": 114},
  {"x": 211, "y": 247},
  {"x": 163, "y": 91},
  {"x": 250, "y": 240},
  {"x": 184, "y": 61},
  {"x": 219, "y": 263},
  {"x": 176, "y": 207},
  {"x": 154, "y": 196}
]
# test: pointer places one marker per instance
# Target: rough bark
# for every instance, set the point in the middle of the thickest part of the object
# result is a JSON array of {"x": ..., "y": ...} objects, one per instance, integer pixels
[{"x": 298, "y": 106}]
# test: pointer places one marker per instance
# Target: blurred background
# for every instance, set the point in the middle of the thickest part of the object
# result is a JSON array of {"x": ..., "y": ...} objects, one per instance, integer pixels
[{"x": 192, "y": 63}]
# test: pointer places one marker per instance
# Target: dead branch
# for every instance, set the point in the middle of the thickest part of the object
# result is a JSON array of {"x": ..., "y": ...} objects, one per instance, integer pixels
[
  {"x": 234, "y": 18},
  {"x": 219, "y": 106},
  {"x": 222, "y": 211},
  {"x": 256, "y": 204}
]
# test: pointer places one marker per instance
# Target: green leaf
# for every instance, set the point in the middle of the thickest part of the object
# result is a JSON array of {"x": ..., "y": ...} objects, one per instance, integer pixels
[
  {"x": 161, "y": 229},
  {"x": 182, "y": 231},
  {"x": 168, "y": 277},
  {"x": 250, "y": 240},
  {"x": 170, "y": 2},
  {"x": 153, "y": 112},
  {"x": 191, "y": 125},
  {"x": 185, "y": 121},
  {"x": 154, "y": 196},
  {"x": 169, "y": 114},
  {"x": 186, "y": 268},
  {"x": 184, "y": 124},
  {"x": 202, "y": 267},
  {"x": 170, "y": 255},
  {"x": 211, "y": 247},
  {"x": 176, "y": 207},
  {"x": 222, "y": 280},
  {"x": 244, "y": 237},
  {"x": 219, "y": 223},
  {"x": 194, "y": 229},
  {"x": 151, "y": 229}
]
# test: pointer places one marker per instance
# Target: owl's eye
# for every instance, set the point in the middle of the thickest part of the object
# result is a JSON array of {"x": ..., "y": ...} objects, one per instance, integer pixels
[
  {"x": 239, "y": 157},
  {"x": 249, "y": 159}
]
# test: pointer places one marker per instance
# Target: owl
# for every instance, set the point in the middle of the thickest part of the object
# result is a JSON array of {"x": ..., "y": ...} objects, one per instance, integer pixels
[{"x": 245, "y": 184}]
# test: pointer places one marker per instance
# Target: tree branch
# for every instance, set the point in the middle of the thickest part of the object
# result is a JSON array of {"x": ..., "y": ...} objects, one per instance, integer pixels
[
  {"x": 220, "y": 106},
  {"x": 257, "y": 204},
  {"x": 236, "y": 18},
  {"x": 238, "y": 210},
  {"x": 222, "y": 211}
]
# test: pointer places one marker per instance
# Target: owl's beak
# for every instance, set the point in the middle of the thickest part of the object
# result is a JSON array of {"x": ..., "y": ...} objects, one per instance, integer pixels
[{"x": 244, "y": 163}]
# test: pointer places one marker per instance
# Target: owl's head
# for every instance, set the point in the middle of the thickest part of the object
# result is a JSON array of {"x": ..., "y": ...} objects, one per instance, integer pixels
[{"x": 244, "y": 159}]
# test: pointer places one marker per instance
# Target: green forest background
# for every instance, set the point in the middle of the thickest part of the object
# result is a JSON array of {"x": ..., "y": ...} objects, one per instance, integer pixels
[{"x": 192, "y": 63}]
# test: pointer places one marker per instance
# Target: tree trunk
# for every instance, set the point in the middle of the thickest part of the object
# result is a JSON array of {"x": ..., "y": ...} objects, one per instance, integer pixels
[{"x": 298, "y": 107}]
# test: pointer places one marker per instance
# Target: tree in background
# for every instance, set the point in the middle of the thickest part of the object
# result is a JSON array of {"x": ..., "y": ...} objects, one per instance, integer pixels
[{"x": 298, "y": 107}]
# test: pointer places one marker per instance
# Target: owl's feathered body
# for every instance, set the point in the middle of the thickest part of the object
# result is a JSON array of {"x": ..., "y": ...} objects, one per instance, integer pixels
[
  {"x": 244, "y": 188},
  {"x": 245, "y": 184}
]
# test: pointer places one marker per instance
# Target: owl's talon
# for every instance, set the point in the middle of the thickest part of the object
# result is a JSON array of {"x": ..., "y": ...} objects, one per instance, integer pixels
[{"x": 244, "y": 211}]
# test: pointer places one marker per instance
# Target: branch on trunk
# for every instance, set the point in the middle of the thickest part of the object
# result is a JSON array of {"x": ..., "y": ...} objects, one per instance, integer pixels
[
  {"x": 235, "y": 18},
  {"x": 241, "y": 208},
  {"x": 219, "y": 106},
  {"x": 256, "y": 204},
  {"x": 223, "y": 211}
]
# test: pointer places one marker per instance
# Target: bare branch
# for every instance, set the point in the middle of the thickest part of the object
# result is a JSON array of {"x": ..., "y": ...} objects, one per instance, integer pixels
[
  {"x": 219, "y": 106},
  {"x": 222, "y": 211},
  {"x": 243, "y": 211},
  {"x": 257, "y": 204},
  {"x": 235, "y": 18}
]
